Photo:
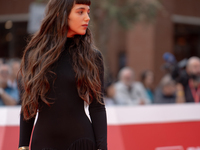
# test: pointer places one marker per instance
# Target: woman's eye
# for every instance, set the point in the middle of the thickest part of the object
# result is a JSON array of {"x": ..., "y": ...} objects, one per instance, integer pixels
[{"x": 80, "y": 12}]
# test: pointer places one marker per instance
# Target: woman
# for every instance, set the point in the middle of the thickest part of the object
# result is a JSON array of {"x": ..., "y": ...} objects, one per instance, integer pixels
[
  {"x": 61, "y": 71},
  {"x": 147, "y": 79}
]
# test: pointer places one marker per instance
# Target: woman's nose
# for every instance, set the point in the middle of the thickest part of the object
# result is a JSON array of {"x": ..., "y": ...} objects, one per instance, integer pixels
[{"x": 87, "y": 17}]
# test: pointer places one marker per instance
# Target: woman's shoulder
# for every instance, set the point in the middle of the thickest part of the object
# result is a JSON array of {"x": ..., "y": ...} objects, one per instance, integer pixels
[
  {"x": 98, "y": 56},
  {"x": 97, "y": 52}
]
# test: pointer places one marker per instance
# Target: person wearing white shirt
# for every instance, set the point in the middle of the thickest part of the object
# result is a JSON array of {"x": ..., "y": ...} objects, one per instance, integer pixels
[{"x": 128, "y": 91}]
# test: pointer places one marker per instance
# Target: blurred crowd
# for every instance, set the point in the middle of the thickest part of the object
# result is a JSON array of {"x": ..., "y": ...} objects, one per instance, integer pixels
[
  {"x": 180, "y": 84},
  {"x": 9, "y": 93}
]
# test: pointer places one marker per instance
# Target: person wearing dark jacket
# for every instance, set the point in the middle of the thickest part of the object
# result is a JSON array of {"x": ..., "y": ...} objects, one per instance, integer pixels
[{"x": 190, "y": 79}]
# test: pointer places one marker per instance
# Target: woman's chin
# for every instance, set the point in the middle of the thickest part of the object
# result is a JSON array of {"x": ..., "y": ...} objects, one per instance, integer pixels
[{"x": 82, "y": 33}]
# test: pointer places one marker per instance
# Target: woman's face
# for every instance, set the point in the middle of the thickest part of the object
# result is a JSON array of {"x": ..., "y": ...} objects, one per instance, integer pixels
[
  {"x": 149, "y": 79},
  {"x": 78, "y": 20}
]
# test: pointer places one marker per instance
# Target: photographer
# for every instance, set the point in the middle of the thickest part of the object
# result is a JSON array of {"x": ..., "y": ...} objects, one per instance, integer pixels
[
  {"x": 192, "y": 88},
  {"x": 189, "y": 78}
]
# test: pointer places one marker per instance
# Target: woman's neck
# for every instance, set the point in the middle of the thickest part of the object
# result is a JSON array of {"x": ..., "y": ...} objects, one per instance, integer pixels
[{"x": 70, "y": 34}]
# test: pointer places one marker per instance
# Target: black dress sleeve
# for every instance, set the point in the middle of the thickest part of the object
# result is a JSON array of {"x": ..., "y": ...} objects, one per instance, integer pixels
[
  {"x": 26, "y": 126},
  {"x": 98, "y": 113}
]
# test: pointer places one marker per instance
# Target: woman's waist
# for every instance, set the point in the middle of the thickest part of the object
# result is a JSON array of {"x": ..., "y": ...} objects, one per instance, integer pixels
[{"x": 63, "y": 128}]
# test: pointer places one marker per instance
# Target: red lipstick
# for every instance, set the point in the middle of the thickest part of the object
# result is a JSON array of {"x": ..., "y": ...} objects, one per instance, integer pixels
[{"x": 85, "y": 25}]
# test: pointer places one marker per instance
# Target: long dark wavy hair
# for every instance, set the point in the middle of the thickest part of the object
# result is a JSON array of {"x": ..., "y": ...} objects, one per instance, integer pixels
[{"x": 44, "y": 49}]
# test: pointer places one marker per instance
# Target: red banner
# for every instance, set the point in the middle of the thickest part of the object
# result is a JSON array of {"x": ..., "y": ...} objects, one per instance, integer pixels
[{"x": 156, "y": 127}]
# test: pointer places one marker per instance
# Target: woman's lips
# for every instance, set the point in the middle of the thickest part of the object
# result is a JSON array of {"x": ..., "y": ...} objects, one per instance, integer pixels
[{"x": 85, "y": 25}]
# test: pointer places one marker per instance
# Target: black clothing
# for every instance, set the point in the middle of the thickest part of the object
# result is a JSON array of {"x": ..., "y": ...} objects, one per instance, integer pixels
[
  {"x": 64, "y": 125},
  {"x": 188, "y": 94},
  {"x": 183, "y": 78}
]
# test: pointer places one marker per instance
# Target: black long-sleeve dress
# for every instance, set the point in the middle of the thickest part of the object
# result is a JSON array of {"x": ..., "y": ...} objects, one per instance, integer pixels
[{"x": 64, "y": 125}]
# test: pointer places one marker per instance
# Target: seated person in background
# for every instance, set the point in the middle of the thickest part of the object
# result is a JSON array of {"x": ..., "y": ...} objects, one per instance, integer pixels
[
  {"x": 147, "y": 79},
  {"x": 109, "y": 95},
  {"x": 127, "y": 91},
  {"x": 169, "y": 92},
  {"x": 8, "y": 95},
  {"x": 15, "y": 67}
]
